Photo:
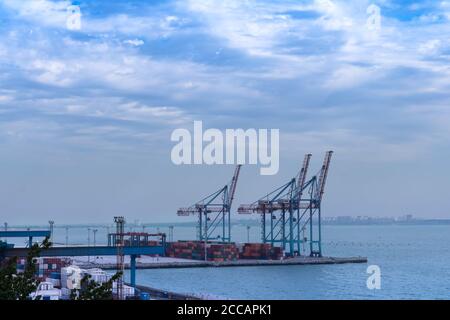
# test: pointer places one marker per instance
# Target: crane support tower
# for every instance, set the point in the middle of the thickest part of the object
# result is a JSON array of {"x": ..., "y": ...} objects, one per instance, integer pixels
[
  {"x": 293, "y": 210},
  {"x": 213, "y": 212},
  {"x": 120, "y": 230}
]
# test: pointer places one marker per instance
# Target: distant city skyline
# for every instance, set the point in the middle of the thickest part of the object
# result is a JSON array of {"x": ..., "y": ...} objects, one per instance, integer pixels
[
  {"x": 90, "y": 92},
  {"x": 336, "y": 220}
]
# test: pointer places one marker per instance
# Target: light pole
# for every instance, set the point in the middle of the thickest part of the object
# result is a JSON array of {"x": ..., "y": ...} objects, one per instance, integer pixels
[
  {"x": 94, "y": 231},
  {"x": 67, "y": 236},
  {"x": 51, "y": 223},
  {"x": 108, "y": 237},
  {"x": 89, "y": 242},
  {"x": 171, "y": 233},
  {"x": 248, "y": 234}
]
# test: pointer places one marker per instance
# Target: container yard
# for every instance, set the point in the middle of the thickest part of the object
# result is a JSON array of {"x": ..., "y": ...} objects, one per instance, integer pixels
[
  {"x": 290, "y": 220},
  {"x": 195, "y": 250},
  {"x": 220, "y": 252}
]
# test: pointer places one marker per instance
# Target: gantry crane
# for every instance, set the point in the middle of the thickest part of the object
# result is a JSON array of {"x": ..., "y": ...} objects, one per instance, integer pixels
[
  {"x": 213, "y": 211},
  {"x": 291, "y": 211},
  {"x": 308, "y": 207}
]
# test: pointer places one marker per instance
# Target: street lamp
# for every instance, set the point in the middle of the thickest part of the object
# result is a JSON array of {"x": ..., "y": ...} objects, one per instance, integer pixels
[
  {"x": 171, "y": 233},
  {"x": 94, "y": 231},
  {"x": 89, "y": 242},
  {"x": 51, "y": 223}
]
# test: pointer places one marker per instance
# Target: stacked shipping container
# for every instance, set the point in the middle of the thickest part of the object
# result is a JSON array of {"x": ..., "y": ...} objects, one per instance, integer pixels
[
  {"x": 186, "y": 250},
  {"x": 46, "y": 267},
  {"x": 264, "y": 251},
  {"x": 195, "y": 250},
  {"x": 219, "y": 252},
  {"x": 223, "y": 252}
]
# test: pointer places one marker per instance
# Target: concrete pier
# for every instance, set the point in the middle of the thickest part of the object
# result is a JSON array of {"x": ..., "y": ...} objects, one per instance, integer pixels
[{"x": 302, "y": 260}]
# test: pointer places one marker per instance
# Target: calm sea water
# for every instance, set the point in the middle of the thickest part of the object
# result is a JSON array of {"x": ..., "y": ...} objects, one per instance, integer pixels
[{"x": 414, "y": 262}]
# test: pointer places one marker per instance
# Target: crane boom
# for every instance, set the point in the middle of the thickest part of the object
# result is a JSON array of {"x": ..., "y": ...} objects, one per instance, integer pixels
[
  {"x": 323, "y": 175},
  {"x": 302, "y": 175},
  {"x": 213, "y": 212},
  {"x": 233, "y": 185},
  {"x": 200, "y": 206}
]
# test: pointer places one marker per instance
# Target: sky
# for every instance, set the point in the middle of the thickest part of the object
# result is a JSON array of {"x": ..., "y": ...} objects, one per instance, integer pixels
[{"x": 86, "y": 113}]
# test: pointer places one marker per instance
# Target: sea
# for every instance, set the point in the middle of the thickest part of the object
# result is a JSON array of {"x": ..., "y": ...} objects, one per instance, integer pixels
[{"x": 413, "y": 260}]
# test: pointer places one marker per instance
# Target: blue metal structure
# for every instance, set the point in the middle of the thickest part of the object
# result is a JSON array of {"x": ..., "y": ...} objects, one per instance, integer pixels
[
  {"x": 133, "y": 252},
  {"x": 86, "y": 251},
  {"x": 25, "y": 233},
  {"x": 134, "y": 249},
  {"x": 30, "y": 234},
  {"x": 214, "y": 212},
  {"x": 293, "y": 208}
]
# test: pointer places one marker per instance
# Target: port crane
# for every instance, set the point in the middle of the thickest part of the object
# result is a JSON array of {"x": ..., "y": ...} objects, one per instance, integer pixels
[
  {"x": 213, "y": 212},
  {"x": 292, "y": 208}
]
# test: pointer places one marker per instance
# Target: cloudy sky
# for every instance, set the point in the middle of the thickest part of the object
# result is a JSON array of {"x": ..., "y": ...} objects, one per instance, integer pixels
[{"x": 86, "y": 113}]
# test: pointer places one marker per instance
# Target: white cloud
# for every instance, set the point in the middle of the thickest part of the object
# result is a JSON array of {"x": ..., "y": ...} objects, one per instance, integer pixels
[
  {"x": 54, "y": 72},
  {"x": 430, "y": 47},
  {"x": 56, "y": 14},
  {"x": 314, "y": 57},
  {"x": 244, "y": 24},
  {"x": 5, "y": 98},
  {"x": 357, "y": 146},
  {"x": 350, "y": 76},
  {"x": 49, "y": 13},
  {"x": 134, "y": 42}
]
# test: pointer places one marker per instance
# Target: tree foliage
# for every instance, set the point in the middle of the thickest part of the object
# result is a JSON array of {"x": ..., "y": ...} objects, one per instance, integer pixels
[{"x": 18, "y": 286}]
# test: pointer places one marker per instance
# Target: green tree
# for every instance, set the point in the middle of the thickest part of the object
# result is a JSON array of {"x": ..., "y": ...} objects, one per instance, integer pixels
[
  {"x": 18, "y": 286},
  {"x": 92, "y": 290}
]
